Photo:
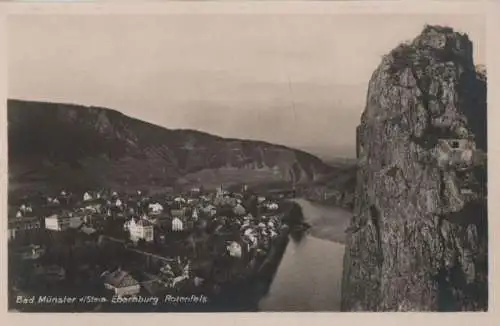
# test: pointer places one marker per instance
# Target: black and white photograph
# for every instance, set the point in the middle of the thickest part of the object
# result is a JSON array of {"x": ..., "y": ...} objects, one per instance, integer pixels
[{"x": 247, "y": 163}]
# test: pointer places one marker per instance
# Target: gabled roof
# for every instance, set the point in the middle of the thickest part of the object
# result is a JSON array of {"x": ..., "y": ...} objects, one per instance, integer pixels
[
  {"x": 178, "y": 212},
  {"x": 239, "y": 209},
  {"x": 94, "y": 201},
  {"x": 177, "y": 220},
  {"x": 143, "y": 222},
  {"x": 161, "y": 216},
  {"x": 53, "y": 216},
  {"x": 88, "y": 230},
  {"x": 119, "y": 279}
]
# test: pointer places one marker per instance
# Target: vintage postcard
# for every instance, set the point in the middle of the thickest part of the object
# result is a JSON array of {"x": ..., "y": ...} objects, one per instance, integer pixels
[{"x": 218, "y": 159}]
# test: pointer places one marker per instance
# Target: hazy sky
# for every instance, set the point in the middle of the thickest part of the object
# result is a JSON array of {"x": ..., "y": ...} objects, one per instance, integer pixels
[{"x": 297, "y": 80}]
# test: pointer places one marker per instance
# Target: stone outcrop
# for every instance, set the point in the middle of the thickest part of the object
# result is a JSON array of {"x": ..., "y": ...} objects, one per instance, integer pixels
[{"x": 418, "y": 237}]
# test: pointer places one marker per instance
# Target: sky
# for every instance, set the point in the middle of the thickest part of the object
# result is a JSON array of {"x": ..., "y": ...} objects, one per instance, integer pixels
[{"x": 296, "y": 80}]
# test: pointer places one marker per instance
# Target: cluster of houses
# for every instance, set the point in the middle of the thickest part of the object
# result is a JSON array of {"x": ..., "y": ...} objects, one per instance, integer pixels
[
  {"x": 256, "y": 232},
  {"x": 139, "y": 213},
  {"x": 123, "y": 284},
  {"x": 153, "y": 219}
]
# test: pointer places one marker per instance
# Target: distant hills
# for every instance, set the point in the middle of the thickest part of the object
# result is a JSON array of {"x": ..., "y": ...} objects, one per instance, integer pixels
[{"x": 60, "y": 145}]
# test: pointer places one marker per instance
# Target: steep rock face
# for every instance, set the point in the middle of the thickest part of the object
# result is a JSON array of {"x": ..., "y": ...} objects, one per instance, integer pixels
[{"x": 418, "y": 236}]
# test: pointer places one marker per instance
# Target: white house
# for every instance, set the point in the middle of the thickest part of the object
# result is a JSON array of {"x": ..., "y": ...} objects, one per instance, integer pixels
[
  {"x": 19, "y": 214},
  {"x": 177, "y": 224},
  {"x": 155, "y": 208},
  {"x": 25, "y": 209},
  {"x": 118, "y": 203},
  {"x": 179, "y": 200},
  {"x": 56, "y": 223},
  {"x": 61, "y": 223},
  {"x": 272, "y": 206},
  {"x": 121, "y": 283},
  {"x": 87, "y": 196},
  {"x": 142, "y": 229},
  {"x": 195, "y": 214},
  {"x": 234, "y": 249}
]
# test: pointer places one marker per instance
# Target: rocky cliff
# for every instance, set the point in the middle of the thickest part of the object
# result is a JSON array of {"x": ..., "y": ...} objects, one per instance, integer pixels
[{"x": 418, "y": 236}]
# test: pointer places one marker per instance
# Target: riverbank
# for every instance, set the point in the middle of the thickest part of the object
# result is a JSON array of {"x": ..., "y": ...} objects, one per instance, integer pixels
[
  {"x": 309, "y": 276},
  {"x": 327, "y": 222}
]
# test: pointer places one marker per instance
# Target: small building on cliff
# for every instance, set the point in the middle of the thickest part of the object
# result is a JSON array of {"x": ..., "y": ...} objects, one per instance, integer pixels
[{"x": 455, "y": 152}]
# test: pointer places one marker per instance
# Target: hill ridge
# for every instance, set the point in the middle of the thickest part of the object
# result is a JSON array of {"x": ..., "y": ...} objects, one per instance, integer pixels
[{"x": 71, "y": 139}]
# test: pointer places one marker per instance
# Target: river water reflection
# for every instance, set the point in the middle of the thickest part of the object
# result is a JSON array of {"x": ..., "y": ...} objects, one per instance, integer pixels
[{"x": 310, "y": 273}]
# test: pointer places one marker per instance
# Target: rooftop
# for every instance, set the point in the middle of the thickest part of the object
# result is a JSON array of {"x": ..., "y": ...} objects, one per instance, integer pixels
[
  {"x": 143, "y": 222},
  {"x": 119, "y": 279}
]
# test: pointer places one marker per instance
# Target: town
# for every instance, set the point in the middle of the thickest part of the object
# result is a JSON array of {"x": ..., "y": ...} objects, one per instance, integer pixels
[{"x": 110, "y": 244}]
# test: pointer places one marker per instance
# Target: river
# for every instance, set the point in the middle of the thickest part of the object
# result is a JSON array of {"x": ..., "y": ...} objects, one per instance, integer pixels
[{"x": 310, "y": 273}]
